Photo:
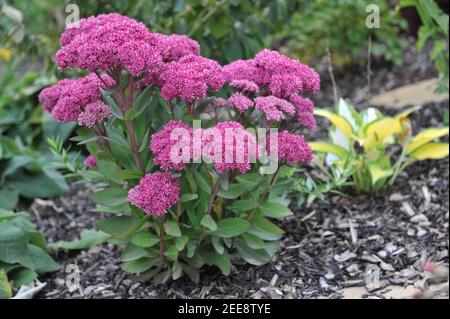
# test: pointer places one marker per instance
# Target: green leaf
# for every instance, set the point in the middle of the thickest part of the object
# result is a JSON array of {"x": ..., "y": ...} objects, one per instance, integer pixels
[
  {"x": 255, "y": 257},
  {"x": 5, "y": 288},
  {"x": 241, "y": 206},
  {"x": 109, "y": 170},
  {"x": 192, "y": 272},
  {"x": 217, "y": 244},
  {"x": 89, "y": 238},
  {"x": 13, "y": 245},
  {"x": 111, "y": 104},
  {"x": 138, "y": 265},
  {"x": 254, "y": 241},
  {"x": 40, "y": 260},
  {"x": 264, "y": 229},
  {"x": 171, "y": 253},
  {"x": 46, "y": 185},
  {"x": 143, "y": 101},
  {"x": 220, "y": 260},
  {"x": 231, "y": 227},
  {"x": 118, "y": 225},
  {"x": 202, "y": 183},
  {"x": 209, "y": 222},
  {"x": 144, "y": 239},
  {"x": 188, "y": 197},
  {"x": 112, "y": 196},
  {"x": 8, "y": 198},
  {"x": 275, "y": 210},
  {"x": 181, "y": 242},
  {"x": 251, "y": 180},
  {"x": 172, "y": 229},
  {"x": 132, "y": 252},
  {"x": 23, "y": 276},
  {"x": 234, "y": 191}
]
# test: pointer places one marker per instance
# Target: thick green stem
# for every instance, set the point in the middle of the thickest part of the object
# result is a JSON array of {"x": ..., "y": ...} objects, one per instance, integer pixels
[{"x": 161, "y": 237}]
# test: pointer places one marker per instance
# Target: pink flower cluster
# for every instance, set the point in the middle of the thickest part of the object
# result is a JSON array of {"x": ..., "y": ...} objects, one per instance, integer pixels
[
  {"x": 190, "y": 77},
  {"x": 110, "y": 41},
  {"x": 90, "y": 161},
  {"x": 174, "y": 47},
  {"x": 292, "y": 148},
  {"x": 240, "y": 102},
  {"x": 155, "y": 194},
  {"x": 305, "y": 110},
  {"x": 274, "y": 107},
  {"x": 172, "y": 149},
  {"x": 77, "y": 100},
  {"x": 229, "y": 147},
  {"x": 278, "y": 80},
  {"x": 94, "y": 113}
]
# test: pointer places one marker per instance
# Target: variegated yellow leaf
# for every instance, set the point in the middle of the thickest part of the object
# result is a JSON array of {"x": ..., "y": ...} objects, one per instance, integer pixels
[
  {"x": 338, "y": 121},
  {"x": 325, "y": 147},
  {"x": 377, "y": 172},
  {"x": 406, "y": 112},
  {"x": 425, "y": 137},
  {"x": 380, "y": 131},
  {"x": 430, "y": 151}
]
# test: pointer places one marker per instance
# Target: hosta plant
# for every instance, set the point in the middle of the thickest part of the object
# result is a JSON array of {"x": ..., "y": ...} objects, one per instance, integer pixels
[
  {"x": 183, "y": 183},
  {"x": 378, "y": 147}
]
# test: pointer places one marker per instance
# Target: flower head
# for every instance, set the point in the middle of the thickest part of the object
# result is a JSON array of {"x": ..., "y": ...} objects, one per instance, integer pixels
[
  {"x": 94, "y": 113},
  {"x": 171, "y": 146},
  {"x": 292, "y": 148},
  {"x": 90, "y": 161},
  {"x": 68, "y": 99},
  {"x": 242, "y": 70},
  {"x": 175, "y": 46},
  {"x": 245, "y": 85},
  {"x": 155, "y": 193},
  {"x": 229, "y": 147},
  {"x": 109, "y": 41},
  {"x": 305, "y": 110},
  {"x": 190, "y": 77},
  {"x": 274, "y": 107},
  {"x": 279, "y": 74},
  {"x": 285, "y": 76},
  {"x": 240, "y": 102}
]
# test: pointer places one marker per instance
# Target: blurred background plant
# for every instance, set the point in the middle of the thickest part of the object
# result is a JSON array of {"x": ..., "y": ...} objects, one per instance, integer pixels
[
  {"x": 377, "y": 147},
  {"x": 434, "y": 29},
  {"x": 319, "y": 25}
]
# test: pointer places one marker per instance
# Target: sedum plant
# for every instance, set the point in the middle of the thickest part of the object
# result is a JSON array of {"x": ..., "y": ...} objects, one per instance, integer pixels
[
  {"x": 183, "y": 183},
  {"x": 368, "y": 140}
]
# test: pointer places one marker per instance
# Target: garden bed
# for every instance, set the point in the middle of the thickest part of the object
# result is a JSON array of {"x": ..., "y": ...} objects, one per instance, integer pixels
[
  {"x": 327, "y": 247},
  {"x": 376, "y": 241}
]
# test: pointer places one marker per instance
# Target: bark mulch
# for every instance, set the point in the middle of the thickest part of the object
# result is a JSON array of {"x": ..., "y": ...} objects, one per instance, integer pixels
[{"x": 371, "y": 241}]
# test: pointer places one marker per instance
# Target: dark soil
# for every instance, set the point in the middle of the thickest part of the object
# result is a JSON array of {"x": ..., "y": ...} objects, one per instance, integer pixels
[{"x": 327, "y": 247}]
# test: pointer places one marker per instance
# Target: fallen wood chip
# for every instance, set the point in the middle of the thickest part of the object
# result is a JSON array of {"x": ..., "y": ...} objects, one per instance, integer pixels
[
  {"x": 344, "y": 256},
  {"x": 419, "y": 93}
]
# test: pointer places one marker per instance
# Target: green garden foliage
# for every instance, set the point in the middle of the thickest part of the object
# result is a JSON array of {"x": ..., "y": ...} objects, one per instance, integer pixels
[
  {"x": 341, "y": 26},
  {"x": 23, "y": 252},
  {"x": 435, "y": 29}
]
